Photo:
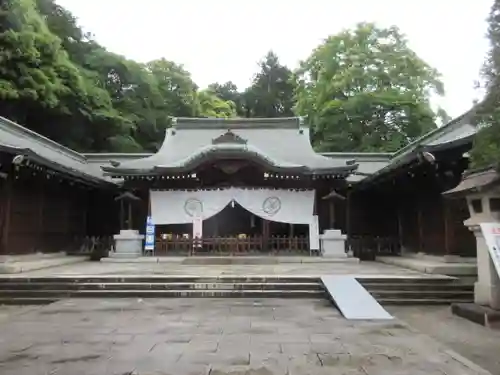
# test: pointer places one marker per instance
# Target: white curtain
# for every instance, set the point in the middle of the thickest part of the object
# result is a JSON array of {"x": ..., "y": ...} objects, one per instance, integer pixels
[
  {"x": 181, "y": 206},
  {"x": 285, "y": 206}
]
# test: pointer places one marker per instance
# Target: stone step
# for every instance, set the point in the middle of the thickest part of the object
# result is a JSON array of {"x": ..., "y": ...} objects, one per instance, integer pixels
[
  {"x": 418, "y": 287},
  {"x": 59, "y": 294},
  {"x": 26, "y": 301},
  {"x": 413, "y": 294},
  {"x": 160, "y": 279},
  {"x": 410, "y": 280},
  {"x": 420, "y": 301},
  {"x": 161, "y": 286}
]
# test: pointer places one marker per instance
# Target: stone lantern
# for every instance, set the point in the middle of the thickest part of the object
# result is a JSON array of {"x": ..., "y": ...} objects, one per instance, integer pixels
[
  {"x": 481, "y": 189},
  {"x": 128, "y": 243}
]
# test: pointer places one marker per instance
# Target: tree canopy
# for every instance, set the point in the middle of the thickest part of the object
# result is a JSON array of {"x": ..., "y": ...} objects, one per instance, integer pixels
[
  {"x": 362, "y": 89},
  {"x": 486, "y": 150},
  {"x": 365, "y": 90}
]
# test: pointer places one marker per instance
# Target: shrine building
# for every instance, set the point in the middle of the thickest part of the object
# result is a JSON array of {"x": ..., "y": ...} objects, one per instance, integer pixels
[
  {"x": 235, "y": 187},
  {"x": 256, "y": 185}
]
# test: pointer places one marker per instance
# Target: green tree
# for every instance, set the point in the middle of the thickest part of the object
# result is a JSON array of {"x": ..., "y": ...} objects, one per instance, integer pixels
[
  {"x": 486, "y": 150},
  {"x": 366, "y": 90},
  {"x": 34, "y": 69},
  {"x": 210, "y": 105},
  {"x": 272, "y": 91},
  {"x": 41, "y": 87},
  {"x": 229, "y": 92}
]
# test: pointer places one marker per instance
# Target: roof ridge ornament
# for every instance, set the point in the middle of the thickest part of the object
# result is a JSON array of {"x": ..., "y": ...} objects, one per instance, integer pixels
[{"x": 229, "y": 137}]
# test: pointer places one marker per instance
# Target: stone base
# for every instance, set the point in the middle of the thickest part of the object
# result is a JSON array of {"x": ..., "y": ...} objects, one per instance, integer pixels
[
  {"x": 333, "y": 244},
  {"x": 128, "y": 244},
  {"x": 432, "y": 265},
  {"x": 487, "y": 295},
  {"x": 478, "y": 314}
]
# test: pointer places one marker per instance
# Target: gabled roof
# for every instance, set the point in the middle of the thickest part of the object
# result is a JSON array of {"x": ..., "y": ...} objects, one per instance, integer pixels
[
  {"x": 19, "y": 140},
  {"x": 281, "y": 144},
  {"x": 459, "y": 131}
]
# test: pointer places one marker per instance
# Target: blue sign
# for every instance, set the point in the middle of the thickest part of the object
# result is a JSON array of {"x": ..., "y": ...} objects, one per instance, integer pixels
[{"x": 149, "y": 243}]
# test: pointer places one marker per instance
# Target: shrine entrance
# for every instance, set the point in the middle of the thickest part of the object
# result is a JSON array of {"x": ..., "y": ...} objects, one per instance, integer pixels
[{"x": 235, "y": 230}]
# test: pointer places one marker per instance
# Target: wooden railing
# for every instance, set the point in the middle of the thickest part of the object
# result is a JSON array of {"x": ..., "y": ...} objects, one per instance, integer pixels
[
  {"x": 368, "y": 247},
  {"x": 231, "y": 245}
]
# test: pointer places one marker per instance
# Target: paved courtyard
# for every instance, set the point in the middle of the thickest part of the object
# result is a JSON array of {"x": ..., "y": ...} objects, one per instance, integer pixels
[
  {"x": 213, "y": 336},
  {"x": 479, "y": 344}
]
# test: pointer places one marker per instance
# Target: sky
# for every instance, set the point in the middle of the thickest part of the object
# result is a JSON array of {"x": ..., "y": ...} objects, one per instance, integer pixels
[{"x": 222, "y": 40}]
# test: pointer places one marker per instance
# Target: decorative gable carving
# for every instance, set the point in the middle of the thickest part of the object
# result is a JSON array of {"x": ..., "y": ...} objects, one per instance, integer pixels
[{"x": 229, "y": 137}]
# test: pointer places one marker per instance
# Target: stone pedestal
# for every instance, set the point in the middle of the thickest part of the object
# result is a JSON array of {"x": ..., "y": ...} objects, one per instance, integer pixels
[
  {"x": 333, "y": 244},
  {"x": 128, "y": 244}
]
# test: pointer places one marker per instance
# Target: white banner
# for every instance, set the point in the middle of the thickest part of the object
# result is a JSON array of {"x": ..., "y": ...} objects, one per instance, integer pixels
[
  {"x": 283, "y": 206},
  {"x": 314, "y": 233},
  {"x": 180, "y": 207},
  {"x": 491, "y": 233}
]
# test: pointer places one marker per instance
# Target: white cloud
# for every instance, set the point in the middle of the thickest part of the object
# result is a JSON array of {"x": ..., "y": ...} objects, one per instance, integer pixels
[{"x": 223, "y": 40}]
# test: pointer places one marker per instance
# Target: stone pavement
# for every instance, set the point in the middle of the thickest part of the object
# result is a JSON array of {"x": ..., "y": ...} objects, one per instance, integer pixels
[
  {"x": 479, "y": 344},
  {"x": 216, "y": 337},
  {"x": 177, "y": 268}
]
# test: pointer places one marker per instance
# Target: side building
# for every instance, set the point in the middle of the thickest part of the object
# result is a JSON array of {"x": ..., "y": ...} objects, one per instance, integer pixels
[{"x": 51, "y": 198}]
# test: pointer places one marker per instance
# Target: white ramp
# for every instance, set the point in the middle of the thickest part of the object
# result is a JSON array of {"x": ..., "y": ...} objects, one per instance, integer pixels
[{"x": 353, "y": 300}]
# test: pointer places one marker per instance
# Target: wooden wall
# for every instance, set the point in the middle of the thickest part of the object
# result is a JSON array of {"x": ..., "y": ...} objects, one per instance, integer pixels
[
  {"x": 51, "y": 215},
  {"x": 416, "y": 214}
]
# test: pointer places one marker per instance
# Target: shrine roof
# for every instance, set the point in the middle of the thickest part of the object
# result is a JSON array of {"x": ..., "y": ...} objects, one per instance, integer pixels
[
  {"x": 458, "y": 132},
  {"x": 281, "y": 144},
  {"x": 19, "y": 140},
  {"x": 476, "y": 181},
  {"x": 368, "y": 162}
]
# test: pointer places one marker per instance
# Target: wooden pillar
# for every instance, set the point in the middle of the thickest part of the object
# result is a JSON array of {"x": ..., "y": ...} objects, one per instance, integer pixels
[
  {"x": 40, "y": 237},
  {"x": 400, "y": 229},
  {"x": 84, "y": 211},
  {"x": 446, "y": 219},
  {"x": 331, "y": 213},
  {"x": 149, "y": 203},
  {"x": 265, "y": 234},
  {"x": 348, "y": 214},
  {"x": 129, "y": 215},
  {"x": 6, "y": 214},
  {"x": 122, "y": 214},
  {"x": 420, "y": 227}
]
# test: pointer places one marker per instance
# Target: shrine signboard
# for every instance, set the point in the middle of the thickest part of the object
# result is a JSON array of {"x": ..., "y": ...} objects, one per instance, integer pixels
[{"x": 491, "y": 233}]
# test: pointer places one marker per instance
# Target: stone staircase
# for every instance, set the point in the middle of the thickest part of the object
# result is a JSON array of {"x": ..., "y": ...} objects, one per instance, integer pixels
[
  {"x": 418, "y": 291},
  {"x": 42, "y": 290}
]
